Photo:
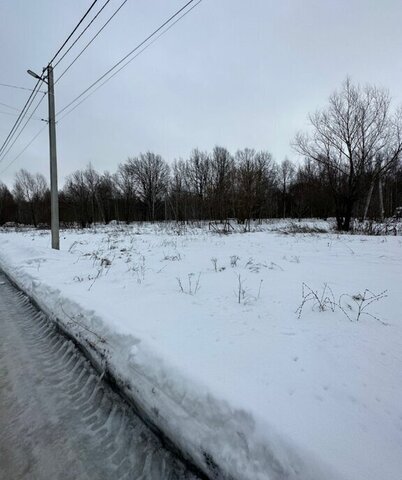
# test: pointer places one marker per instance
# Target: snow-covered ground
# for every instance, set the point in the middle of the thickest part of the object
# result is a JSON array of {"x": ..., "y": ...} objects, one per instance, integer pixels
[{"x": 210, "y": 335}]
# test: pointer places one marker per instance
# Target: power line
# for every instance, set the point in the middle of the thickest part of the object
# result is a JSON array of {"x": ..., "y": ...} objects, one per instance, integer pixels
[
  {"x": 24, "y": 149},
  {"x": 19, "y": 120},
  {"x": 4, "y": 154},
  {"x": 129, "y": 61},
  {"x": 15, "y": 86},
  {"x": 21, "y": 115},
  {"x": 35, "y": 91},
  {"x": 9, "y": 113},
  {"x": 15, "y": 109},
  {"x": 16, "y": 115},
  {"x": 161, "y": 30},
  {"x": 74, "y": 30},
  {"x": 92, "y": 39},
  {"x": 126, "y": 56},
  {"x": 9, "y": 106},
  {"x": 81, "y": 34}
]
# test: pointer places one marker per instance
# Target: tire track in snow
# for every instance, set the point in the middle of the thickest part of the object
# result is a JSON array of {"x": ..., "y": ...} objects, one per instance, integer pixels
[{"x": 57, "y": 418}]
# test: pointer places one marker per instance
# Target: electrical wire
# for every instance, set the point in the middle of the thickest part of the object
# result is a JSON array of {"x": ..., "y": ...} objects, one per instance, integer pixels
[
  {"x": 4, "y": 154},
  {"x": 92, "y": 39},
  {"x": 17, "y": 123},
  {"x": 126, "y": 56},
  {"x": 15, "y": 109},
  {"x": 129, "y": 61},
  {"x": 12, "y": 137},
  {"x": 16, "y": 115},
  {"x": 9, "y": 113},
  {"x": 35, "y": 90},
  {"x": 72, "y": 33},
  {"x": 15, "y": 86},
  {"x": 21, "y": 116},
  {"x": 9, "y": 106},
  {"x": 23, "y": 150},
  {"x": 82, "y": 33}
]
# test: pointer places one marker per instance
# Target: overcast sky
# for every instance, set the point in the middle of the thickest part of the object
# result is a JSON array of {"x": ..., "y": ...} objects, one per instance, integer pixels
[{"x": 235, "y": 73}]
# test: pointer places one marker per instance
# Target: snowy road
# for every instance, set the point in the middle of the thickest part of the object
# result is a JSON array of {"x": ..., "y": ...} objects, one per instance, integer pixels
[{"x": 57, "y": 420}]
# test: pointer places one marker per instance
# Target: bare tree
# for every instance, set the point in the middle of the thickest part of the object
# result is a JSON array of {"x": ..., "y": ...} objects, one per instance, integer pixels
[
  {"x": 126, "y": 188},
  {"x": 31, "y": 189},
  {"x": 266, "y": 173},
  {"x": 106, "y": 197},
  {"x": 199, "y": 180},
  {"x": 92, "y": 179},
  {"x": 7, "y": 204},
  {"x": 179, "y": 190},
  {"x": 78, "y": 197},
  {"x": 222, "y": 182},
  {"x": 354, "y": 146},
  {"x": 151, "y": 174},
  {"x": 254, "y": 175},
  {"x": 286, "y": 174},
  {"x": 348, "y": 136},
  {"x": 309, "y": 191}
]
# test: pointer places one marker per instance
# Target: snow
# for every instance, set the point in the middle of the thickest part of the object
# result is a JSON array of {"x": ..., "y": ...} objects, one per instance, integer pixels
[{"x": 247, "y": 389}]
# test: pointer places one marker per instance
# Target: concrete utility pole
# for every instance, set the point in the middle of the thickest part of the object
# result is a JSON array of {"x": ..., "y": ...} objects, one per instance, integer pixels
[{"x": 54, "y": 193}]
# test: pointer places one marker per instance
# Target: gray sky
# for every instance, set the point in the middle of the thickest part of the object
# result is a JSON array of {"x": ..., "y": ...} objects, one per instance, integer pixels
[{"x": 233, "y": 72}]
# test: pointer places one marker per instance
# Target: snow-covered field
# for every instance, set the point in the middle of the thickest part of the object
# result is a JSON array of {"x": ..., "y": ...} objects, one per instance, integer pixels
[{"x": 210, "y": 335}]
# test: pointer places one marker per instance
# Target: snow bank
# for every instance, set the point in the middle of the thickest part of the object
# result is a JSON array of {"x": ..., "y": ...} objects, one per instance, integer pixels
[{"x": 201, "y": 331}]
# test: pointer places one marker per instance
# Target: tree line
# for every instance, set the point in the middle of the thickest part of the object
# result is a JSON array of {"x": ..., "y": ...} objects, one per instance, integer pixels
[{"x": 351, "y": 168}]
